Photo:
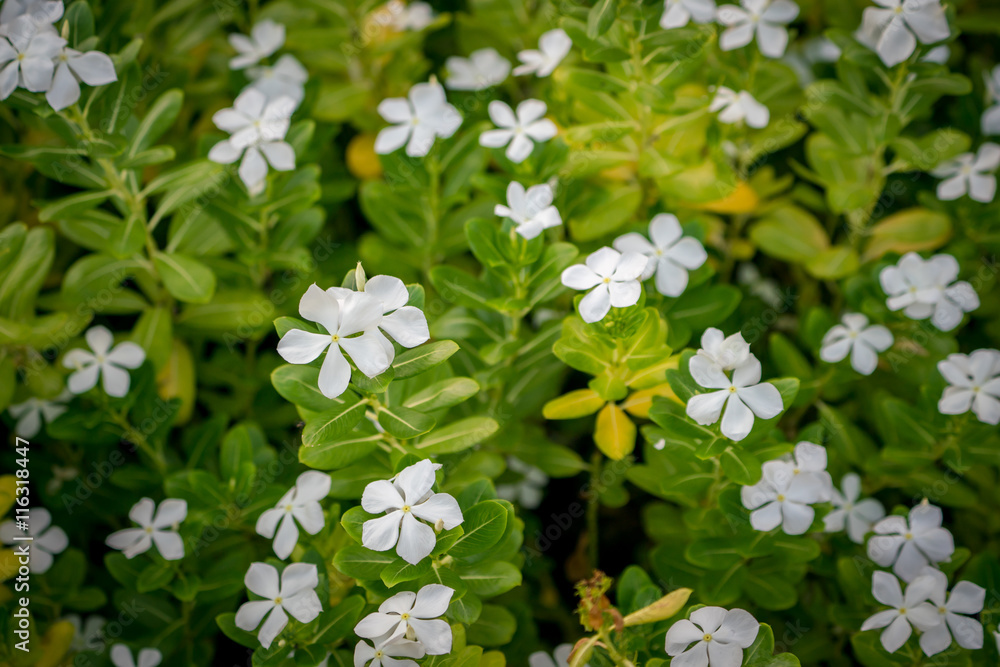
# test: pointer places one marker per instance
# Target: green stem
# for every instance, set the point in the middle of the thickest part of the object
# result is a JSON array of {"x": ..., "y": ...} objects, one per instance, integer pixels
[{"x": 593, "y": 507}]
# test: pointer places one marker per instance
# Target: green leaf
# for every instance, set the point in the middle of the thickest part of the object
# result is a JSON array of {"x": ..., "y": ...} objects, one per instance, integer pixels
[
  {"x": 912, "y": 230},
  {"x": 330, "y": 425},
  {"x": 400, "y": 571},
  {"x": 740, "y": 465},
  {"x": 461, "y": 288},
  {"x": 67, "y": 207},
  {"x": 343, "y": 451},
  {"x": 360, "y": 563},
  {"x": 484, "y": 525},
  {"x": 227, "y": 623},
  {"x": 495, "y": 627},
  {"x": 458, "y": 436},
  {"x": 404, "y": 423},
  {"x": 491, "y": 579},
  {"x": 443, "y": 394},
  {"x": 425, "y": 357},
  {"x": 185, "y": 278},
  {"x": 834, "y": 263},
  {"x": 159, "y": 117},
  {"x": 790, "y": 233},
  {"x": 300, "y": 385},
  {"x": 601, "y": 17}
]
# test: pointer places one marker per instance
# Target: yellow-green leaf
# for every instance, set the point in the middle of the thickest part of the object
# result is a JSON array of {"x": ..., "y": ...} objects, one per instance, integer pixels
[
  {"x": 615, "y": 432},
  {"x": 579, "y": 403}
]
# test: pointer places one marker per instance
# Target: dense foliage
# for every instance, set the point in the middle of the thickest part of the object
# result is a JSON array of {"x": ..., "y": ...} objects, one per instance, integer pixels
[{"x": 469, "y": 333}]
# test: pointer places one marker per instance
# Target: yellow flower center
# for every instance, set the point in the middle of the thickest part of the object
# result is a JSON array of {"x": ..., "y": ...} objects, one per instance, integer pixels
[
  {"x": 405, "y": 617},
  {"x": 277, "y": 600},
  {"x": 909, "y": 536},
  {"x": 405, "y": 508},
  {"x": 607, "y": 280},
  {"x": 781, "y": 498},
  {"x": 334, "y": 337},
  {"x": 288, "y": 507},
  {"x": 707, "y": 637}
]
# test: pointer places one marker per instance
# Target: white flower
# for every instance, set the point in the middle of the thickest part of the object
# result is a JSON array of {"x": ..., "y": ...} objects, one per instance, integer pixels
[
  {"x": 47, "y": 540},
  {"x": 736, "y": 107},
  {"x": 413, "y": 615},
  {"x": 484, "y": 68},
  {"x": 357, "y": 313},
  {"x": 671, "y": 255},
  {"x": 160, "y": 529},
  {"x": 528, "y": 492},
  {"x": 406, "y": 324},
  {"x": 295, "y": 594},
  {"x": 910, "y": 546},
  {"x": 386, "y": 651},
  {"x": 991, "y": 117},
  {"x": 286, "y": 78},
  {"x": 677, "y": 13},
  {"x": 927, "y": 288},
  {"x": 725, "y": 352},
  {"x": 102, "y": 361},
  {"x": 300, "y": 503},
  {"x": 420, "y": 117},
  {"x": 975, "y": 385},
  {"x": 518, "y": 131},
  {"x": 965, "y": 598},
  {"x": 552, "y": 48},
  {"x": 406, "y": 498},
  {"x": 854, "y": 336},
  {"x": 87, "y": 635},
  {"x": 743, "y": 396},
  {"x": 614, "y": 278},
  {"x": 121, "y": 656},
  {"x": 765, "y": 289},
  {"x": 26, "y": 56},
  {"x": 532, "y": 211},
  {"x": 559, "y": 657},
  {"x": 41, "y": 12},
  {"x": 93, "y": 68},
  {"x": 30, "y": 412},
  {"x": 414, "y": 16},
  {"x": 857, "y": 516},
  {"x": 765, "y": 18},
  {"x": 719, "y": 637},
  {"x": 970, "y": 173},
  {"x": 893, "y": 28},
  {"x": 907, "y": 610},
  {"x": 257, "y": 128},
  {"x": 782, "y": 498},
  {"x": 265, "y": 38}
]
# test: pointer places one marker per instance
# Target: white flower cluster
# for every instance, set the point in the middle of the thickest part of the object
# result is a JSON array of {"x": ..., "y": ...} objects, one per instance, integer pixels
[
  {"x": 928, "y": 289},
  {"x": 35, "y": 57},
  {"x": 727, "y": 366},
  {"x": 974, "y": 384},
  {"x": 261, "y": 114},
  {"x": 787, "y": 490},
  {"x": 355, "y": 322},
  {"x": 407, "y": 625}
]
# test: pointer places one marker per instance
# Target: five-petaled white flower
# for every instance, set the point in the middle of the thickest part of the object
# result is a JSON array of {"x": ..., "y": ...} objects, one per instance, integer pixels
[
  {"x": 725, "y": 352},
  {"x": 970, "y": 173},
  {"x": 671, "y": 255},
  {"x": 529, "y": 490},
  {"x": 553, "y": 46},
  {"x": 295, "y": 594},
  {"x": 41, "y": 12},
  {"x": 93, "y": 68},
  {"x": 911, "y": 609},
  {"x": 927, "y": 288},
  {"x": 965, "y": 598},
  {"x": 27, "y": 55},
  {"x": 46, "y": 539},
  {"x": 159, "y": 529},
  {"x": 677, "y": 13},
  {"x": 420, "y": 117},
  {"x": 484, "y": 68},
  {"x": 413, "y": 615},
  {"x": 909, "y": 546},
  {"x": 406, "y": 324},
  {"x": 559, "y": 657},
  {"x": 518, "y": 131},
  {"x": 413, "y": 16},
  {"x": 764, "y": 18},
  {"x": 265, "y": 38},
  {"x": 614, "y": 277},
  {"x": 121, "y": 656},
  {"x": 975, "y": 385},
  {"x": 857, "y": 516},
  {"x": 257, "y": 128},
  {"x": 406, "y": 498},
  {"x": 853, "y": 336},
  {"x": 893, "y": 28},
  {"x": 300, "y": 504},
  {"x": 356, "y": 313},
  {"x": 102, "y": 360},
  {"x": 737, "y": 107},
  {"x": 783, "y": 497},
  {"x": 718, "y": 637},
  {"x": 29, "y": 413},
  {"x": 286, "y": 78},
  {"x": 386, "y": 651},
  {"x": 88, "y": 635},
  {"x": 742, "y": 396},
  {"x": 991, "y": 117},
  {"x": 532, "y": 210}
]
